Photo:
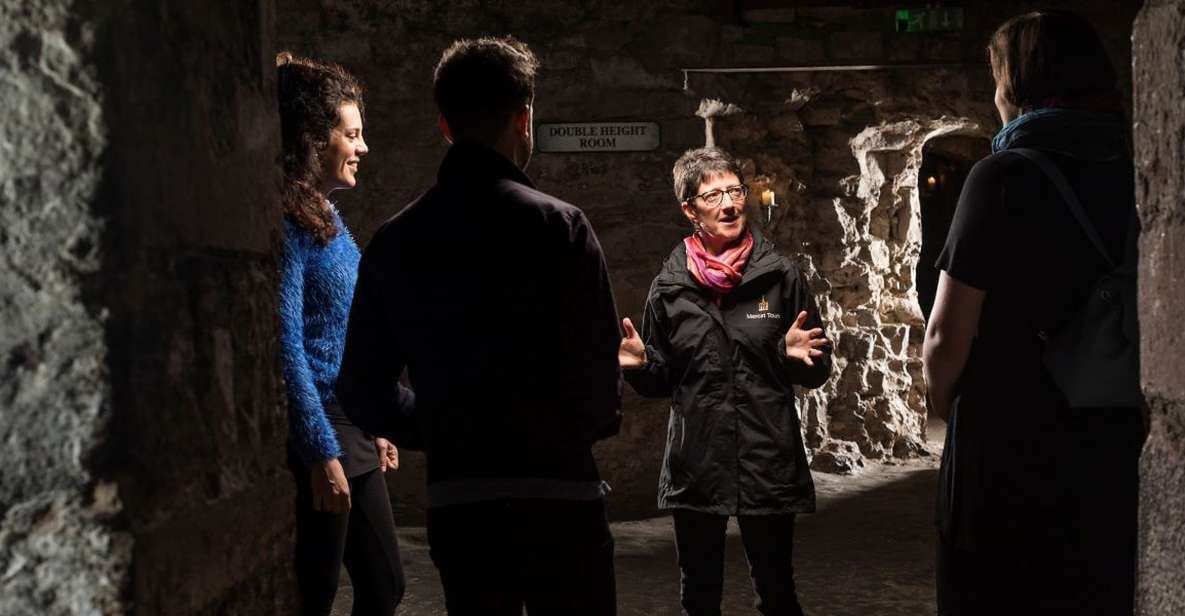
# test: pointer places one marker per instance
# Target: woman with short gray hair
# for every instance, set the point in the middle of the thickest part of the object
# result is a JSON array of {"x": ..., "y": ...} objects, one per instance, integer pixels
[{"x": 729, "y": 329}]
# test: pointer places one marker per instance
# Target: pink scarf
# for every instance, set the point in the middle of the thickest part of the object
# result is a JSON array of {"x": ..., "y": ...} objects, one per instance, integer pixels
[{"x": 718, "y": 273}]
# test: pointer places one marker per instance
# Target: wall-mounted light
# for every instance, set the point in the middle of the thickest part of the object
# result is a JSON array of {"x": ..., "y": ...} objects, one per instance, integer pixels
[
  {"x": 769, "y": 201},
  {"x": 931, "y": 181}
]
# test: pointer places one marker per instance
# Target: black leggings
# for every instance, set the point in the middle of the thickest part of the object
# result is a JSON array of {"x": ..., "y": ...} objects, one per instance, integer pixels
[
  {"x": 553, "y": 557},
  {"x": 363, "y": 539},
  {"x": 769, "y": 548}
]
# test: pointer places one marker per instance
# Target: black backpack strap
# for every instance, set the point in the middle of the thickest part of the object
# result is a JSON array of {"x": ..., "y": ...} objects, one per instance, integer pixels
[{"x": 1063, "y": 186}]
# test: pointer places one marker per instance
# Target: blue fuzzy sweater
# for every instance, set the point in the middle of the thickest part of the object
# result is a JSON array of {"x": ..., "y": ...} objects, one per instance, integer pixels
[{"x": 316, "y": 288}]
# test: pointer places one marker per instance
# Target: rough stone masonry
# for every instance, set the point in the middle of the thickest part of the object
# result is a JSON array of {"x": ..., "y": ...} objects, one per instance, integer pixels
[
  {"x": 60, "y": 551},
  {"x": 1159, "y": 134},
  {"x": 142, "y": 422}
]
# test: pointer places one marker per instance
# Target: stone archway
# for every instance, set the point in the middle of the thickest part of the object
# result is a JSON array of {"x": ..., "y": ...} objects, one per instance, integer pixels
[
  {"x": 876, "y": 406},
  {"x": 851, "y": 216},
  {"x": 946, "y": 163}
]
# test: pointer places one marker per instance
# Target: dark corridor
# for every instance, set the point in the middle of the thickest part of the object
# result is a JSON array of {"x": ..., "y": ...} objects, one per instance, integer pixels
[{"x": 946, "y": 161}]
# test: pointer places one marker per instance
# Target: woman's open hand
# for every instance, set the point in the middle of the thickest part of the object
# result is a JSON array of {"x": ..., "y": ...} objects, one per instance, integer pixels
[
  {"x": 804, "y": 344},
  {"x": 631, "y": 353}
]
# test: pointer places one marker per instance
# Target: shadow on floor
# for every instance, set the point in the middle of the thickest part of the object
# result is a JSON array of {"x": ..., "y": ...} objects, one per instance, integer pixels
[{"x": 869, "y": 550}]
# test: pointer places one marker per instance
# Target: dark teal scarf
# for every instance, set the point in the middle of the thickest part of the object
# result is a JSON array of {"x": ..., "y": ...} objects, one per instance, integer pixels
[{"x": 1077, "y": 133}]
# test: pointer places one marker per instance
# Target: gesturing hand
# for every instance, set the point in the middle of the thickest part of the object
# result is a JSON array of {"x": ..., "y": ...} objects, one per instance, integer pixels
[
  {"x": 388, "y": 454},
  {"x": 631, "y": 353},
  {"x": 331, "y": 491},
  {"x": 803, "y": 345}
]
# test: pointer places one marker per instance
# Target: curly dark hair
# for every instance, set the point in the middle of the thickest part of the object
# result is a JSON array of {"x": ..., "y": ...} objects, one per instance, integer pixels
[
  {"x": 310, "y": 94},
  {"x": 478, "y": 84}
]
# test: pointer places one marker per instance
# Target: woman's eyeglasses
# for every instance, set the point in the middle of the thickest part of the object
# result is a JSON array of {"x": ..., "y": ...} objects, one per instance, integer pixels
[{"x": 715, "y": 197}]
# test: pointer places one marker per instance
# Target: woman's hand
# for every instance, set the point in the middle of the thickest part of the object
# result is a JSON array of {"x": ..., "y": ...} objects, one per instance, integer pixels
[
  {"x": 388, "y": 454},
  {"x": 803, "y": 345},
  {"x": 631, "y": 353},
  {"x": 331, "y": 491}
]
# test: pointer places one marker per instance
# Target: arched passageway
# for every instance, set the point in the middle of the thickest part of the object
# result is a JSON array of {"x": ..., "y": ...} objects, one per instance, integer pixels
[{"x": 946, "y": 161}]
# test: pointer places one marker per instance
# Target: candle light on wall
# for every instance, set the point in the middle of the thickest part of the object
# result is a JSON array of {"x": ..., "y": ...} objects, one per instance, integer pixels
[{"x": 769, "y": 202}]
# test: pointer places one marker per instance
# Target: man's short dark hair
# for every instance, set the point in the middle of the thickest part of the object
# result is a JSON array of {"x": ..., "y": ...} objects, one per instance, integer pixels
[
  {"x": 696, "y": 166},
  {"x": 1050, "y": 57},
  {"x": 479, "y": 83}
]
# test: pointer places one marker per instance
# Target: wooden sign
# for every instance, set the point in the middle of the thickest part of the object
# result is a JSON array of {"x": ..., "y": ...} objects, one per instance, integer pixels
[{"x": 597, "y": 137}]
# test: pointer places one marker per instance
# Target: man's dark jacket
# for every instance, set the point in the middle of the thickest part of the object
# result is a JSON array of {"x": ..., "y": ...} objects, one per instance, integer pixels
[
  {"x": 496, "y": 299},
  {"x": 734, "y": 445}
]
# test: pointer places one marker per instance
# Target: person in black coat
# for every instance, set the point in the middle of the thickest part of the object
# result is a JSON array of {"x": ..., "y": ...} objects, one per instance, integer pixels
[
  {"x": 729, "y": 330},
  {"x": 1038, "y": 500},
  {"x": 496, "y": 298}
]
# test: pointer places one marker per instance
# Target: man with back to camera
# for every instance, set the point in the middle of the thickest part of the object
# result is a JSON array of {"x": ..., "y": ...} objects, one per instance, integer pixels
[{"x": 496, "y": 298}]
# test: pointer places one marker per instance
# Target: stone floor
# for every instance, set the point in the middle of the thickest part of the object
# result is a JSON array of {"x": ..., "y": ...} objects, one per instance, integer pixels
[{"x": 868, "y": 550}]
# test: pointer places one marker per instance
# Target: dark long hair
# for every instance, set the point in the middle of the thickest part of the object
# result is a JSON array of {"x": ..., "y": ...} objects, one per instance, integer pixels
[
  {"x": 1054, "y": 59},
  {"x": 310, "y": 94}
]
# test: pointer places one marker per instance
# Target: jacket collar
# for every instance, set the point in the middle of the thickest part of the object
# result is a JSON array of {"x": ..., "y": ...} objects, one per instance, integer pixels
[
  {"x": 467, "y": 161},
  {"x": 764, "y": 259}
]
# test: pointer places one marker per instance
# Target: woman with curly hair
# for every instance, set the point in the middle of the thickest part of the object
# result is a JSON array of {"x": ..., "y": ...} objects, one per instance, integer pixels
[{"x": 343, "y": 513}]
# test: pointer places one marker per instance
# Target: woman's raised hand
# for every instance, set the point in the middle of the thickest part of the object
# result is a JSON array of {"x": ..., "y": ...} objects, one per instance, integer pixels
[
  {"x": 631, "y": 353},
  {"x": 804, "y": 344}
]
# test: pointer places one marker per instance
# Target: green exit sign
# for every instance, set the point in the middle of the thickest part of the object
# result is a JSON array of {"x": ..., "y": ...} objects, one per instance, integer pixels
[{"x": 930, "y": 20}]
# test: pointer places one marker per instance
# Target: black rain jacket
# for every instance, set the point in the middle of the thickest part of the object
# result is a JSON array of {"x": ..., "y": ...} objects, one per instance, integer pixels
[{"x": 734, "y": 445}]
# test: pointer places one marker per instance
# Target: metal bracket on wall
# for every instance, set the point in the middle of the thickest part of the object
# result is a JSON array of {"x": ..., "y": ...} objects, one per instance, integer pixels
[{"x": 820, "y": 69}]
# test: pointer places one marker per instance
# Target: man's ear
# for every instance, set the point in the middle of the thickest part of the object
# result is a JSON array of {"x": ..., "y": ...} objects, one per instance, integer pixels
[
  {"x": 445, "y": 130},
  {"x": 522, "y": 120}
]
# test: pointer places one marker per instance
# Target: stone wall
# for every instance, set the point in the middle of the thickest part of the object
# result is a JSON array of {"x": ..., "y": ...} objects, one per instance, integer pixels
[
  {"x": 143, "y": 412},
  {"x": 200, "y": 456},
  {"x": 1159, "y": 133},
  {"x": 842, "y": 150},
  {"x": 59, "y": 549}
]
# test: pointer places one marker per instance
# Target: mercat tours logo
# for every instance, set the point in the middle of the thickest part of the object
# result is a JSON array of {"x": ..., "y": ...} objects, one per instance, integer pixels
[{"x": 763, "y": 311}]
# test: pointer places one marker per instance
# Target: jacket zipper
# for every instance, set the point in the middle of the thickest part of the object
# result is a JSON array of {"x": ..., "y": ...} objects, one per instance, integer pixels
[
  {"x": 730, "y": 370},
  {"x": 731, "y": 348}
]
